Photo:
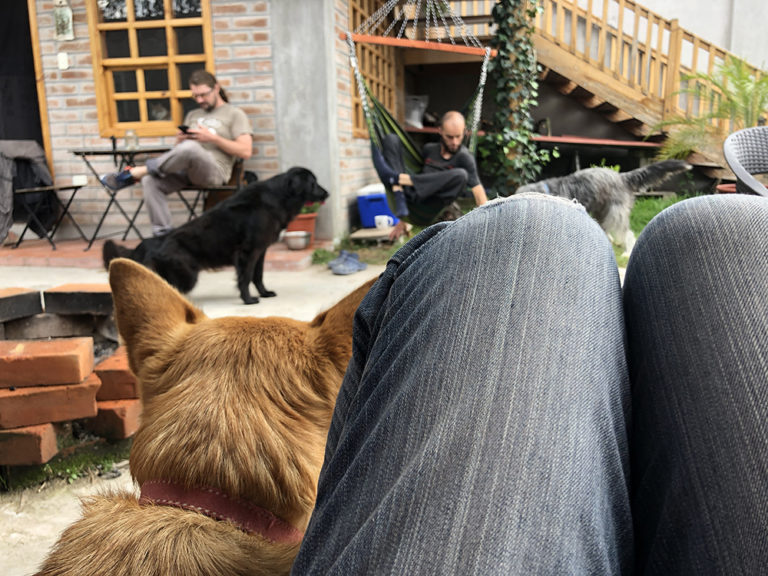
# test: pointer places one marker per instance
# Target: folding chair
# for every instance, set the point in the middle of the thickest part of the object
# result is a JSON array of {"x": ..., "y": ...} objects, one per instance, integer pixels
[
  {"x": 33, "y": 219},
  {"x": 207, "y": 198}
]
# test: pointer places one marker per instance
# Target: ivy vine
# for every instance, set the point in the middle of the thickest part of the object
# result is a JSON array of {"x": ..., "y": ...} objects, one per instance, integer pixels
[{"x": 507, "y": 154}]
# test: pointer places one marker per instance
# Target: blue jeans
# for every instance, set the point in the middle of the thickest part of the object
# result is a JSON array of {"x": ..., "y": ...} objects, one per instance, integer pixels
[{"x": 486, "y": 423}]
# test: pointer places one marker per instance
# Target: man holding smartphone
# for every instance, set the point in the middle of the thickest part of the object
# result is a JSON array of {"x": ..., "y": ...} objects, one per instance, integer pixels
[{"x": 207, "y": 144}]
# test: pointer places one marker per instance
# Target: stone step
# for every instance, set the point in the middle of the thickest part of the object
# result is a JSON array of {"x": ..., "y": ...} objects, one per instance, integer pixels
[{"x": 71, "y": 254}]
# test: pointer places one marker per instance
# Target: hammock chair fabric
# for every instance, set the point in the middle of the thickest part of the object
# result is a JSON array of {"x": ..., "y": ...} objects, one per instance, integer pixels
[{"x": 380, "y": 121}]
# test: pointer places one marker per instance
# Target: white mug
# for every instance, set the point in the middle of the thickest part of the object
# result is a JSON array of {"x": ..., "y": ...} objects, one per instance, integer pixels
[{"x": 383, "y": 221}]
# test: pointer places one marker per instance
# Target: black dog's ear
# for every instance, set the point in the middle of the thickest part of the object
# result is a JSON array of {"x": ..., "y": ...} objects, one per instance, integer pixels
[{"x": 301, "y": 182}]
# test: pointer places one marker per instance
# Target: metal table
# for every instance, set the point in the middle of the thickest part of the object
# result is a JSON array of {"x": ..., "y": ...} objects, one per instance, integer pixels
[{"x": 122, "y": 157}]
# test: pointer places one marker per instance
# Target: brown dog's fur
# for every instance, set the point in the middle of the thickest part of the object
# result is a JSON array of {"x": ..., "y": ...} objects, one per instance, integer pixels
[{"x": 242, "y": 405}]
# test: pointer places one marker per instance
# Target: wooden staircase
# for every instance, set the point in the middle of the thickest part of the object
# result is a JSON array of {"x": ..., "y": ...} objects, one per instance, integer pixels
[{"x": 613, "y": 56}]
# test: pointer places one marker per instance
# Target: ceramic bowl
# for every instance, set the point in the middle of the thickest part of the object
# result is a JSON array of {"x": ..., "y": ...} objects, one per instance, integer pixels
[{"x": 296, "y": 240}]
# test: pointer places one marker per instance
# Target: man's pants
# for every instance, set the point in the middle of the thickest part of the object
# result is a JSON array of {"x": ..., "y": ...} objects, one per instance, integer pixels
[
  {"x": 445, "y": 185},
  {"x": 186, "y": 164}
]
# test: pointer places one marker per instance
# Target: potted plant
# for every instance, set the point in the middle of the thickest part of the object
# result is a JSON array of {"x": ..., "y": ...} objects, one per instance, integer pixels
[{"x": 305, "y": 220}]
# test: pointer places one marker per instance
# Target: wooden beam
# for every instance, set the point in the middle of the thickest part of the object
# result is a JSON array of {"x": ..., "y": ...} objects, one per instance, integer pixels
[
  {"x": 591, "y": 102},
  {"x": 644, "y": 107},
  {"x": 421, "y": 44},
  {"x": 42, "y": 99},
  {"x": 567, "y": 88},
  {"x": 618, "y": 116}
]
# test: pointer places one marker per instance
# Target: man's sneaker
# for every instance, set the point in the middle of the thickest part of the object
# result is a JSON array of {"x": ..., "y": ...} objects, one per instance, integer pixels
[{"x": 117, "y": 180}]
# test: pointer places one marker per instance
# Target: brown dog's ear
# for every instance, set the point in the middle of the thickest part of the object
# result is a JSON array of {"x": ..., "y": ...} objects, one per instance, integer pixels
[
  {"x": 333, "y": 328},
  {"x": 147, "y": 308}
]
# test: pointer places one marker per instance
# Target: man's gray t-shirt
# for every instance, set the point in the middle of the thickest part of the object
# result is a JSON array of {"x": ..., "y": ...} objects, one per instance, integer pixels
[
  {"x": 434, "y": 162},
  {"x": 228, "y": 122}
]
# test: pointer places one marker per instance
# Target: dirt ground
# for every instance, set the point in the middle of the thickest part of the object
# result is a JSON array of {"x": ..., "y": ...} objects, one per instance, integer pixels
[{"x": 31, "y": 520}]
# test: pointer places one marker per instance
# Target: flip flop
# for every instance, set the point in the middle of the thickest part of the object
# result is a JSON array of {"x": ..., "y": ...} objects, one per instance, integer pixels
[
  {"x": 343, "y": 255},
  {"x": 349, "y": 265}
]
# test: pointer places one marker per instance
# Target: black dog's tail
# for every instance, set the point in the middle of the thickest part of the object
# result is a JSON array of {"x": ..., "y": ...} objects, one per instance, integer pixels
[
  {"x": 641, "y": 179},
  {"x": 110, "y": 251}
]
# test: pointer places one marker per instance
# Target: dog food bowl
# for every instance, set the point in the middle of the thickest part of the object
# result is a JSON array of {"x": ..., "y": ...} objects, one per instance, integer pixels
[{"x": 296, "y": 240}]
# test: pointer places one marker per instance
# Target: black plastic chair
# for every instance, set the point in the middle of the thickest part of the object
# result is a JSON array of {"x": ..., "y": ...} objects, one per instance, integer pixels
[{"x": 746, "y": 152}]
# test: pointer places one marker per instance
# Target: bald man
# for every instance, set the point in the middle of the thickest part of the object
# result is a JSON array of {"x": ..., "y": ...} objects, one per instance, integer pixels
[{"x": 449, "y": 169}]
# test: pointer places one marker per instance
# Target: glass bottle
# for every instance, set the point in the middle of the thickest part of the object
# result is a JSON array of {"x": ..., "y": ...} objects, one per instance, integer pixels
[{"x": 131, "y": 140}]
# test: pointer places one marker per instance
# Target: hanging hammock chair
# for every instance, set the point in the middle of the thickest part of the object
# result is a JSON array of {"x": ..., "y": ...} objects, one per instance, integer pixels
[{"x": 379, "y": 121}]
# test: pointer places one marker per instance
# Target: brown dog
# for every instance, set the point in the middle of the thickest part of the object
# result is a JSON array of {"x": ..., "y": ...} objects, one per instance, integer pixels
[{"x": 234, "y": 423}]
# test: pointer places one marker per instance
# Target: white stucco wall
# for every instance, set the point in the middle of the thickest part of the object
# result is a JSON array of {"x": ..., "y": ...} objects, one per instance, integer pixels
[{"x": 735, "y": 25}]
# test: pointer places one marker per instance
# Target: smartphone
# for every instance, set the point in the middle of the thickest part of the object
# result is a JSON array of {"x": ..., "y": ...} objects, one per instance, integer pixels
[{"x": 184, "y": 128}]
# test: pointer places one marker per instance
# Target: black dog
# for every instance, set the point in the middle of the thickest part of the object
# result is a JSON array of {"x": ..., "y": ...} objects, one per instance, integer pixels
[{"x": 236, "y": 231}]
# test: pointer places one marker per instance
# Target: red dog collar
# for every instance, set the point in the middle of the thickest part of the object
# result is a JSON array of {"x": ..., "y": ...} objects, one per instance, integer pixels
[{"x": 217, "y": 505}]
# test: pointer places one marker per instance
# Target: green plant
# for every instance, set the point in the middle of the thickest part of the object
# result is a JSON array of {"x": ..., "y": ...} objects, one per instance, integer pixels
[
  {"x": 604, "y": 164},
  {"x": 734, "y": 94},
  {"x": 82, "y": 459},
  {"x": 507, "y": 154},
  {"x": 310, "y": 207},
  {"x": 644, "y": 210},
  {"x": 370, "y": 252}
]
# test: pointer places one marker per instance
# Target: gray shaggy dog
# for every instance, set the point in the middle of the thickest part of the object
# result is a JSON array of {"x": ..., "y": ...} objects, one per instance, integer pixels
[{"x": 609, "y": 195}]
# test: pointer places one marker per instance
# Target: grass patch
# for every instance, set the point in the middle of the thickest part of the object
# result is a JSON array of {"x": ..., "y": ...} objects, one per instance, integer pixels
[
  {"x": 80, "y": 455},
  {"x": 644, "y": 210},
  {"x": 370, "y": 251}
]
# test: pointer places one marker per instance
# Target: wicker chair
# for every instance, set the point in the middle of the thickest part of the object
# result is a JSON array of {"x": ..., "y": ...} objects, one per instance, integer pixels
[{"x": 746, "y": 152}]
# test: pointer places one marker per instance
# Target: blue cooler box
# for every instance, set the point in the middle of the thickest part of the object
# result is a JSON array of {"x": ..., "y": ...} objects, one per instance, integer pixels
[{"x": 372, "y": 201}]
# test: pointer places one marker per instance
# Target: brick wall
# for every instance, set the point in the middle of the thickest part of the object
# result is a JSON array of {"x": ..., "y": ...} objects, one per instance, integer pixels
[{"x": 243, "y": 48}]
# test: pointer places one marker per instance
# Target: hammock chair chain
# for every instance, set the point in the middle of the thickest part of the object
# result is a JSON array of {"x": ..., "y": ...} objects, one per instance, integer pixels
[
  {"x": 434, "y": 9},
  {"x": 379, "y": 16}
]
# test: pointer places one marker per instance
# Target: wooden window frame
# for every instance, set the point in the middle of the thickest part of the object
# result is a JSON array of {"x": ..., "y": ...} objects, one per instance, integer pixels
[
  {"x": 106, "y": 97},
  {"x": 377, "y": 65}
]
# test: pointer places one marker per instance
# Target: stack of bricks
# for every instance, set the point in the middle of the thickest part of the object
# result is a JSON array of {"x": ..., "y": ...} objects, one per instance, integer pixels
[{"x": 48, "y": 374}]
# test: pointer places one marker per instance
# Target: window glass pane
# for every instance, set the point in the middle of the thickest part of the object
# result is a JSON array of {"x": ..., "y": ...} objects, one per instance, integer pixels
[
  {"x": 152, "y": 42},
  {"x": 186, "y": 8},
  {"x": 156, "y": 80},
  {"x": 159, "y": 109},
  {"x": 112, "y": 10},
  {"x": 189, "y": 40},
  {"x": 148, "y": 9},
  {"x": 125, "y": 80},
  {"x": 187, "y": 104},
  {"x": 185, "y": 71},
  {"x": 128, "y": 111},
  {"x": 116, "y": 44}
]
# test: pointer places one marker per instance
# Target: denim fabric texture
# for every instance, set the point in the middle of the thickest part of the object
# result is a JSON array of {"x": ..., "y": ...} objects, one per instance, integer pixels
[
  {"x": 696, "y": 306},
  {"x": 482, "y": 424},
  {"x": 509, "y": 410}
]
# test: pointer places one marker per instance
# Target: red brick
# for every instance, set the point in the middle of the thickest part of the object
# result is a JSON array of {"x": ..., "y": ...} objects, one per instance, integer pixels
[
  {"x": 117, "y": 380},
  {"x": 117, "y": 419},
  {"x": 45, "y": 362},
  {"x": 43, "y": 404},
  {"x": 27, "y": 446},
  {"x": 78, "y": 299},
  {"x": 19, "y": 303}
]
